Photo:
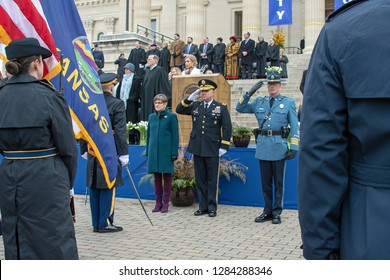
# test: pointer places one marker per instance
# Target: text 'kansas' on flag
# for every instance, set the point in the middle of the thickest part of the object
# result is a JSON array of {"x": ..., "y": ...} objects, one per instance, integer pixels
[{"x": 57, "y": 26}]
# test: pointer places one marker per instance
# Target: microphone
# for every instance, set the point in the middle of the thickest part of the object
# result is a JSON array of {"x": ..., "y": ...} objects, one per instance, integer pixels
[{"x": 204, "y": 69}]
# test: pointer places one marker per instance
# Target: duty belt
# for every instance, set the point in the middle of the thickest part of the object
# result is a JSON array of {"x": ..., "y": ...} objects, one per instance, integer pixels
[
  {"x": 270, "y": 132},
  {"x": 31, "y": 154}
]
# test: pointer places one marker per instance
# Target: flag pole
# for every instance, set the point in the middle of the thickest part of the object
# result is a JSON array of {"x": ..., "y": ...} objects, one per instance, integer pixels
[{"x": 136, "y": 192}]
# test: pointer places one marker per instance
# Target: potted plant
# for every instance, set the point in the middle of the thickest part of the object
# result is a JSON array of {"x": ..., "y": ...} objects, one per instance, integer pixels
[
  {"x": 183, "y": 180},
  {"x": 241, "y": 135}
]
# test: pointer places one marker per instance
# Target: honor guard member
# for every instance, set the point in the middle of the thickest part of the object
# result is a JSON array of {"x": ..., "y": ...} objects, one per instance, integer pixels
[
  {"x": 102, "y": 198},
  {"x": 344, "y": 158},
  {"x": 276, "y": 116},
  {"x": 209, "y": 140},
  {"x": 40, "y": 160}
]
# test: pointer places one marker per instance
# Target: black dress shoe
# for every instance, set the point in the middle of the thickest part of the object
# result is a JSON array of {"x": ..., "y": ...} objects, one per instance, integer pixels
[
  {"x": 212, "y": 213},
  {"x": 110, "y": 228},
  {"x": 200, "y": 212},
  {"x": 276, "y": 219},
  {"x": 95, "y": 229},
  {"x": 263, "y": 218}
]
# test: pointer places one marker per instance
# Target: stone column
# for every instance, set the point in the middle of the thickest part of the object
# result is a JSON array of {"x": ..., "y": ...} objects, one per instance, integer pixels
[
  {"x": 314, "y": 21},
  {"x": 251, "y": 18},
  {"x": 88, "y": 26},
  {"x": 168, "y": 18},
  {"x": 141, "y": 13},
  {"x": 125, "y": 5},
  {"x": 195, "y": 25},
  {"x": 110, "y": 25}
]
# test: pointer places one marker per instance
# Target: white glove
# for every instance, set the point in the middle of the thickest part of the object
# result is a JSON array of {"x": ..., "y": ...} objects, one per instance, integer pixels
[
  {"x": 124, "y": 160},
  {"x": 194, "y": 95},
  {"x": 71, "y": 192},
  {"x": 85, "y": 156},
  {"x": 222, "y": 152}
]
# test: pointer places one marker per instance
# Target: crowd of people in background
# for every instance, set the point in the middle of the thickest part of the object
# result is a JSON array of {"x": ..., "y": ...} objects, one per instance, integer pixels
[{"x": 244, "y": 59}]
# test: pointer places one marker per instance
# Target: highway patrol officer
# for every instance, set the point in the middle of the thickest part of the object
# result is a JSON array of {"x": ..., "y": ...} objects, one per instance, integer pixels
[
  {"x": 276, "y": 116},
  {"x": 344, "y": 161},
  {"x": 209, "y": 140},
  {"x": 102, "y": 198}
]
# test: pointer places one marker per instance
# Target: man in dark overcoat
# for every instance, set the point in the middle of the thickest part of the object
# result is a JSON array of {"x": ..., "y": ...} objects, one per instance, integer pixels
[
  {"x": 155, "y": 82},
  {"x": 137, "y": 56},
  {"x": 98, "y": 57},
  {"x": 273, "y": 53},
  {"x": 247, "y": 51},
  {"x": 219, "y": 57},
  {"x": 344, "y": 161},
  {"x": 209, "y": 140},
  {"x": 102, "y": 198},
  {"x": 261, "y": 54}
]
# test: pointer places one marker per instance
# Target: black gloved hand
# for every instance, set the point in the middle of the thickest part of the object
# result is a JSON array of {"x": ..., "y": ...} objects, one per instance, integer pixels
[
  {"x": 174, "y": 158},
  {"x": 254, "y": 88},
  {"x": 291, "y": 154}
]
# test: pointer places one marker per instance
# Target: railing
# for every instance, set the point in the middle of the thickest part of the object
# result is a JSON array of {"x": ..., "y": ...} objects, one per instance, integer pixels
[
  {"x": 293, "y": 50},
  {"x": 157, "y": 37}
]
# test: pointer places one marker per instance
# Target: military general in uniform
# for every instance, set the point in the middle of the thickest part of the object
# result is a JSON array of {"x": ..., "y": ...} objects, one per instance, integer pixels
[
  {"x": 102, "y": 197},
  {"x": 209, "y": 140},
  {"x": 276, "y": 116},
  {"x": 344, "y": 158}
]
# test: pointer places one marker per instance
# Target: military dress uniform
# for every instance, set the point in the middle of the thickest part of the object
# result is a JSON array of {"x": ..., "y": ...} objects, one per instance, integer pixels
[
  {"x": 271, "y": 147},
  {"x": 344, "y": 161},
  {"x": 39, "y": 166},
  {"x": 211, "y": 131},
  {"x": 102, "y": 198}
]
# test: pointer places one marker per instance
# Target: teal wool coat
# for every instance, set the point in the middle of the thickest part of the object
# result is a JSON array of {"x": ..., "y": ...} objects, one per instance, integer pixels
[{"x": 162, "y": 141}]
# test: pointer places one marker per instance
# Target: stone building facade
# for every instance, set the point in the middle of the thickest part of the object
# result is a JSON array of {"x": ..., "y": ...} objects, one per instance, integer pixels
[{"x": 199, "y": 18}]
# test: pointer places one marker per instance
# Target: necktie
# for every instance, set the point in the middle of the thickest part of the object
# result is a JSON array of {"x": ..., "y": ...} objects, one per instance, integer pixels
[
  {"x": 271, "y": 102},
  {"x": 205, "y": 48},
  {"x": 188, "y": 48},
  {"x": 206, "y": 105}
]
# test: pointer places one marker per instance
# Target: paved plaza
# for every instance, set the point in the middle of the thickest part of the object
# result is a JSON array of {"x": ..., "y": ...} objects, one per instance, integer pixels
[{"x": 179, "y": 235}]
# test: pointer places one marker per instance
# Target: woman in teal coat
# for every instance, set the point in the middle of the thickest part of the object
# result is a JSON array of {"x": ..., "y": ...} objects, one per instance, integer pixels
[{"x": 162, "y": 150}]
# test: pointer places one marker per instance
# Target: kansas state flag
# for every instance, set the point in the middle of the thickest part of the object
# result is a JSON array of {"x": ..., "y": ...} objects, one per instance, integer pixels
[{"x": 81, "y": 84}]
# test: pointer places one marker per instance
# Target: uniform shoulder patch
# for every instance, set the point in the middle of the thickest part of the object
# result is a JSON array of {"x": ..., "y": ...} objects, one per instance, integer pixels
[{"x": 344, "y": 8}]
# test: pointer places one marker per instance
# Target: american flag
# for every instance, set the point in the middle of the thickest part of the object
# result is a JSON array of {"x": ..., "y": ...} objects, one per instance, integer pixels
[{"x": 20, "y": 19}]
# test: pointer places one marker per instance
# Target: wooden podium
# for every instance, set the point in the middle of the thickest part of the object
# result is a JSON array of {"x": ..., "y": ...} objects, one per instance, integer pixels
[{"x": 183, "y": 86}]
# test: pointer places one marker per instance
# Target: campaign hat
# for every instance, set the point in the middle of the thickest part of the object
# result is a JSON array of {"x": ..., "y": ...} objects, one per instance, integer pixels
[{"x": 25, "y": 47}]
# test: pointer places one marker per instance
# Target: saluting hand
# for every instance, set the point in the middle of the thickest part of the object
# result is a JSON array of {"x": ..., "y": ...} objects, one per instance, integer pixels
[
  {"x": 255, "y": 87},
  {"x": 194, "y": 95}
]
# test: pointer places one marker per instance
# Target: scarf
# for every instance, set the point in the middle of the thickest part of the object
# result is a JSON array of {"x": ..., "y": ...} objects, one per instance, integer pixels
[{"x": 127, "y": 82}]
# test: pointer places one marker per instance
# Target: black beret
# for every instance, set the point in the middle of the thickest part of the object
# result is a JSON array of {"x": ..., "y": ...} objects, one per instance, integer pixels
[{"x": 25, "y": 47}]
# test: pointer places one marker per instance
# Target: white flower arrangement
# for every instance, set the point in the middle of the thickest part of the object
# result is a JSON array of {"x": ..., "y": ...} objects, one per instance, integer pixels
[{"x": 142, "y": 127}]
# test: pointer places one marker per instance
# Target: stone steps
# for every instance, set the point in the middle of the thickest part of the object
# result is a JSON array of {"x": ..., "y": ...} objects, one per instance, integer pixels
[{"x": 297, "y": 63}]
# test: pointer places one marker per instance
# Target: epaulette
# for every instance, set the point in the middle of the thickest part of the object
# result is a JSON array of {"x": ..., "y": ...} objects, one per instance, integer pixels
[{"x": 344, "y": 8}]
